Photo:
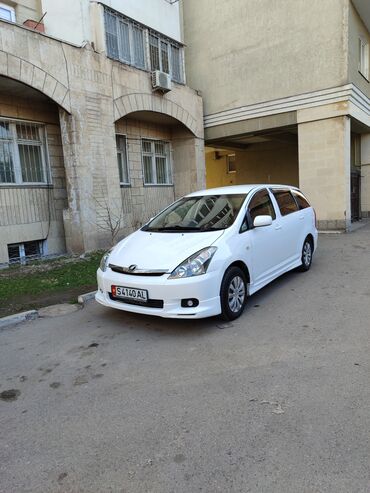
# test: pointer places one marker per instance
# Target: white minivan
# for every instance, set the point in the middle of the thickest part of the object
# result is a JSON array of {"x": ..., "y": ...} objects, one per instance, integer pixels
[{"x": 205, "y": 253}]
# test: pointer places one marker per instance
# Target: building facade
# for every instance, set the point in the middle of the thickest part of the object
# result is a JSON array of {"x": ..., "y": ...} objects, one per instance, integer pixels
[
  {"x": 286, "y": 97},
  {"x": 98, "y": 127}
]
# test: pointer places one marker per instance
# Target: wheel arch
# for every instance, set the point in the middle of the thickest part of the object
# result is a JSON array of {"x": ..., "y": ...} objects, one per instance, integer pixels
[
  {"x": 242, "y": 266},
  {"x": 311, "y": 239}
]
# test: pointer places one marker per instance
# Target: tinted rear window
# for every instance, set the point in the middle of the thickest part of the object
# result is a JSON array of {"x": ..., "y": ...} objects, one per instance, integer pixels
[
  {"x": 301, "y": 199},
  {"x": 285, "y": 201}
]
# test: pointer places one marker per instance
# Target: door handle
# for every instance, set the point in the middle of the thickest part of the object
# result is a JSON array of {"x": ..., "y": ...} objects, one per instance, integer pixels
[{"x": 277, "y": 227}]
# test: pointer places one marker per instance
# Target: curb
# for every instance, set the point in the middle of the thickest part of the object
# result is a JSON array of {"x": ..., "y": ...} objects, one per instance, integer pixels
[
  {"x": 18, "y": 318},
  {"x": 84, "y": 298},
  {"x": 330, "y": 232},
  {"x": 33, "y": 314}
]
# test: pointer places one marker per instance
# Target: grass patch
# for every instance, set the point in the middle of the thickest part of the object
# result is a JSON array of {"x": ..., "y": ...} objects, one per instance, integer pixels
[{"x": 48, "y": 277}]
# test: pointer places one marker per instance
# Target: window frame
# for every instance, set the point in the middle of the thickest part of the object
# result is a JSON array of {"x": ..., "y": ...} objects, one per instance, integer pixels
[
  {"x": 10, "y": 9},
  {"x": 15, "y": 142},
  {"x": 228, "y": 161},
  {"x": 364, "y": 58},
  {"x": 124, "y": 184},
  {"x": 177, "y": 75},
  {"x": 153, "y": 155}
]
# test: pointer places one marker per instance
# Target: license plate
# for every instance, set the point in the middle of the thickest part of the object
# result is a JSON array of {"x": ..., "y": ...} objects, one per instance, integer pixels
[{"x": 130, "y": 293}]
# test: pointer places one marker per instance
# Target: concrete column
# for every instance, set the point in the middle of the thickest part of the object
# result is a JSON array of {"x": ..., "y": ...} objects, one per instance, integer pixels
[
  {"x": 324, "y": 169},
  {"x": 92, "y": 178},
  {"x": 188, "y": 163},
  {"x": 365, "y": 175}
]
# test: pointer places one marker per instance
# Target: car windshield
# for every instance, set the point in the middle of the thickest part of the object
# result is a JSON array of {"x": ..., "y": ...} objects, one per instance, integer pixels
[{"x": 198, "y": 214}]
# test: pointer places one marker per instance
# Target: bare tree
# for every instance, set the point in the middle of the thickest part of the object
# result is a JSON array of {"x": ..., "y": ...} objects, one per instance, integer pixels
[{"x": 109, "y": 218}]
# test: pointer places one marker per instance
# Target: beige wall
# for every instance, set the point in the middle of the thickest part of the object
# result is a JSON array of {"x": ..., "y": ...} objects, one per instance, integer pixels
[
  {"x": 261, "y": 163},
  {"x": 30, "y": 213},
  {"x": 70, "y": 21},
  {"x": 243, "y": 52},
  {"x": 324, "y": 169},
  {"x": 356, "y": 30}
]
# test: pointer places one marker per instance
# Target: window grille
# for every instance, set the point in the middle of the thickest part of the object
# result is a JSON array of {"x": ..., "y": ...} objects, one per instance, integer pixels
[
  {"x": 156, "y": 162},
  {"x": 22, "y": 252},
  {"x": 154, "y": 52},
  {"x": 134, "y": 44},
  {"x": 22, "y": 153}
]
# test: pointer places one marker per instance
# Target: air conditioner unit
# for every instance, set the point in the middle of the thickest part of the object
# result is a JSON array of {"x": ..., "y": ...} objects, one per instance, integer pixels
[{"x": 161, "y": 81}]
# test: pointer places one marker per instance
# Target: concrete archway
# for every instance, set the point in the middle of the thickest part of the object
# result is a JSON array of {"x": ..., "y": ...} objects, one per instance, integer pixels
[
  {"x": 14, "y": 67},
  {"x": 33, "y": 194},
  {"x": 134, "y": 102}
]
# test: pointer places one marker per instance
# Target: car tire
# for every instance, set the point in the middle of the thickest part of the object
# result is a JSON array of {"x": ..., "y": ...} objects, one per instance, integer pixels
[
  {"x": 233, "y": 293},
  {"x": 306, "y": 257}
]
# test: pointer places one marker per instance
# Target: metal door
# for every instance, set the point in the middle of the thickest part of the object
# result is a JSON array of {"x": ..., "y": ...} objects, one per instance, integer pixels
[{"x": 355, "y": 195}]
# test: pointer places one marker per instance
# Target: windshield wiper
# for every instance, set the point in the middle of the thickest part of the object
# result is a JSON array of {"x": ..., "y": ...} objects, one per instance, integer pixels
[{"x": 177, "y": 228}]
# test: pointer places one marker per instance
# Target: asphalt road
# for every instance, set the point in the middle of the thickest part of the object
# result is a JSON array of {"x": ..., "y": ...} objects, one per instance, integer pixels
[{"x": 278, "y": 401}]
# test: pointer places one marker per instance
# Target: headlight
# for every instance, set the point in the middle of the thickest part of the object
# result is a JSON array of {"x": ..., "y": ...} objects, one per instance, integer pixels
[
  {"x": 195, "y": 265},
  {"x": 104, "y": 261}
]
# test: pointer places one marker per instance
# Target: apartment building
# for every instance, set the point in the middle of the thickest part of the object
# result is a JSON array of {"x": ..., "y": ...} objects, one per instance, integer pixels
[
  {"x": 286, "y": 95},
  {"x": 98, "y": 127}
]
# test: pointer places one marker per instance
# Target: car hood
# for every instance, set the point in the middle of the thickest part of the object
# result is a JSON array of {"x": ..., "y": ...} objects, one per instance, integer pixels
[{"x": 150, "y": 250}]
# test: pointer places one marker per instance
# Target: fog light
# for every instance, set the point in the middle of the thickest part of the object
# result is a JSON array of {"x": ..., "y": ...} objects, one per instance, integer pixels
[{"x": 189, "y": 303}]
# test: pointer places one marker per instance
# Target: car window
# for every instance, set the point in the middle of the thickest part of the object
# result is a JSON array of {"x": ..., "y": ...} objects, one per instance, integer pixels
[
  {"x": 285, "y": 201},
  {"x": 300, "y": 199},
  {"x": 203, "y": 213},
  {"x": 260, "y": 205}
]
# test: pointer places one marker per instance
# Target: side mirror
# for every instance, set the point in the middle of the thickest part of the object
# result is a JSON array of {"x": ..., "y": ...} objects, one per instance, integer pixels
[{"x": 260, "y": 221}]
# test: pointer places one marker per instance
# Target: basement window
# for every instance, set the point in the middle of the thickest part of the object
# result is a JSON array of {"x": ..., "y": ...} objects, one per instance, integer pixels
[
  {"x": 7, "y": 13},
  {"x": 20, "y": 253},
  {"x": 364, "y": 58}
]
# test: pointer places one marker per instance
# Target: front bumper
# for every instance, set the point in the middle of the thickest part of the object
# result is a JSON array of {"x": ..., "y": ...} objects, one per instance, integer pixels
[{"x": 205, "y": 288}]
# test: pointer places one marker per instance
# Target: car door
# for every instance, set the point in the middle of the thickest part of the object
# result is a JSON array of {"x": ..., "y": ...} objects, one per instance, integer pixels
[
  {"x": 260, "y": 241},
  {"x": 290, "y": 226}
]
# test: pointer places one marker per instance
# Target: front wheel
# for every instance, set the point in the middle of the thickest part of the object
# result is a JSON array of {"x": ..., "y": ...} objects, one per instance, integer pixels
[
  {"x": 233, "y": 293},
  {"x": 307, "y": 253}
]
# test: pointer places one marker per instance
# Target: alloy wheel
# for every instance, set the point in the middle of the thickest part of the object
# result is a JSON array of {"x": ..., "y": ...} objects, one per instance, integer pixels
[
  {"x": 307, "y": 254},
  {"x": 236, "y": 294}
]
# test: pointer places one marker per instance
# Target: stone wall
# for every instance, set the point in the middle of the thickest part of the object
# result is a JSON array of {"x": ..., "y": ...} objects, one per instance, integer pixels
[{"x": 93, "y": 92}]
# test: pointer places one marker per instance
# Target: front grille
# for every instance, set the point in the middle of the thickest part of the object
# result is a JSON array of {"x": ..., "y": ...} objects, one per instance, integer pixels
[
  {"x": 137, "y": 272},
  {"x": 149, "y": 303}
]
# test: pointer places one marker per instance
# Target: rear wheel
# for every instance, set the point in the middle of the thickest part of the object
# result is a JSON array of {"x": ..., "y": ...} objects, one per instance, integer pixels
[
  {"x": 307, "y": 253},
  {"x": 233, "y": 293}
]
